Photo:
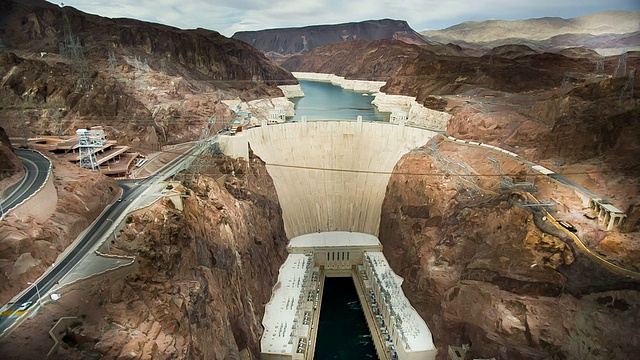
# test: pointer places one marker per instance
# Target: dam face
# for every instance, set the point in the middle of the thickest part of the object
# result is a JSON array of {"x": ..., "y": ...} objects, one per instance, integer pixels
[
  {"x": 332, "y": 175},
  {"x": 331, "y": 179}
]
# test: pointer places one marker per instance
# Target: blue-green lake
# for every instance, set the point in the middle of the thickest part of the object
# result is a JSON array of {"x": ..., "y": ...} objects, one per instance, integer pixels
[{"x": 324, "y": 101}]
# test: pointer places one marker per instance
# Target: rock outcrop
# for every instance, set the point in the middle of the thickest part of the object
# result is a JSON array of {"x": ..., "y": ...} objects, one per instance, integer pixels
[
  {"x": 483, "y": 271},
  {"x": 10, "y": 164},
  {"x": 202, "y": 279}
]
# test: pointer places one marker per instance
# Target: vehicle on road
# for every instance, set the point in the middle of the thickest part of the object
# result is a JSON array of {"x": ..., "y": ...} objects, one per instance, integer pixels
[
  {"x": 25, "y": 306},
  {"x": 567, "y": 225}
]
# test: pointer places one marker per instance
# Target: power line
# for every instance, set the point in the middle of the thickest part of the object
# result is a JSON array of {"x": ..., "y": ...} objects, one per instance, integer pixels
[{"x": 376, "y": 172}]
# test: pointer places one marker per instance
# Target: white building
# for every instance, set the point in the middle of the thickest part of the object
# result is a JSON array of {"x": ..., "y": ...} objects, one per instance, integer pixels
[{"x": 411, "y": 337}]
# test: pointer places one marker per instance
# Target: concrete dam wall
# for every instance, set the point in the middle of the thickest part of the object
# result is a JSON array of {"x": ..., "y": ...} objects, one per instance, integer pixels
[{"x": 330, "y": 175}]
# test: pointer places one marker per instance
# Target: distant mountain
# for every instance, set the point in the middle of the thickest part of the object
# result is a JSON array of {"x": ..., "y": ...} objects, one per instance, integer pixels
[
  {"x": 609, "y": 32},
  {"x": 287, "y": 41}
]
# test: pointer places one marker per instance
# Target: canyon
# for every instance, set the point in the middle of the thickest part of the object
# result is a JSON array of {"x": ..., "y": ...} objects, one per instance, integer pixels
[{"x": 480, "y": 270}]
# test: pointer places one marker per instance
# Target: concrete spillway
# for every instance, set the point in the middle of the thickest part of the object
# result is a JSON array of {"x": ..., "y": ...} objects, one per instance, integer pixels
[{"x": 330, "y": 175}]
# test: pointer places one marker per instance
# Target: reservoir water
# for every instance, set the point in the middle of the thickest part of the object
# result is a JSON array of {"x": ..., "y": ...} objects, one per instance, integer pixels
[
  {"x": 324, "y": 101},
  {"x": 342, "y": 333}
]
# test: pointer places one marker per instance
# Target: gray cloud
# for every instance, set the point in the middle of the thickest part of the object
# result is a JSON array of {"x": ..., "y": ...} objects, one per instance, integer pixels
[{"x": 229, "y": 16}]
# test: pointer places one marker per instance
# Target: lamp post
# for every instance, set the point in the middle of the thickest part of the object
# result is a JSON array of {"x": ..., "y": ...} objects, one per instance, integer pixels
[
  {"x": 37, "y": 290},
  {"x": 39, "y": 298},
  {"x": 112, "y": 233}
]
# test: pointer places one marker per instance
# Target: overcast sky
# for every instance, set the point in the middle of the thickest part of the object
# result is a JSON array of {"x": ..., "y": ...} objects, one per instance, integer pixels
[{"x": 229, "y": 16}]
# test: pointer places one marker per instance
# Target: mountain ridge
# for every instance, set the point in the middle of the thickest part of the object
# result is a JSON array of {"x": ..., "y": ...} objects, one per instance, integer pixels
[
  {"x": 610, "y": 32},
  {"x": 295, "y": 40}
]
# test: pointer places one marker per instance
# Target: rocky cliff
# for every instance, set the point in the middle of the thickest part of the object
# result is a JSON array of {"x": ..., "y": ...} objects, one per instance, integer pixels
[
  {"x": 300, "y": 40},
  {"x": 140, "y": 78},
  {"x": 203, "y": 277},
  {"x": 483, "y": 271},
  {"x": 10, "y": 164},
  {"x": 427, "y": 70}
]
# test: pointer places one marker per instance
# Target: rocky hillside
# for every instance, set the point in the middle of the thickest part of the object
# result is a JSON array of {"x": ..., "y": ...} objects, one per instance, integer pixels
[
  {"x": 28, "y": 246},
  {"x": 153, "y": 84},
  {"x": 612, "y": 32},
  {"x": 300, "y": 40},
  {"x": 424, "y": 70},
  {"x": 204, "y": 276},
  {"x": 10, "y": 165},
  {"x": 483, "y": 271}
]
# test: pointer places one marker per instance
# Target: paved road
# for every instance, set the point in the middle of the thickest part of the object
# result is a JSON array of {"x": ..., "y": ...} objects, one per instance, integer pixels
[
  {"x": 37, "y": 169},
  {"x": 91, "y": 239}
]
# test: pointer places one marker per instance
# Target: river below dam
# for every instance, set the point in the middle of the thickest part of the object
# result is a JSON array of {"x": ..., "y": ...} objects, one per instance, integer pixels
[
  {"x": 324, "y": 101},
  {"x": 342, "y": 333}
]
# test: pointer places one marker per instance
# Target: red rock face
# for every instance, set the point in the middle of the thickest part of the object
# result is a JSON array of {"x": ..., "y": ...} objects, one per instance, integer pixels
[
  {"x": 203, "y": 277},
  {"x": 483, "y": 271}
]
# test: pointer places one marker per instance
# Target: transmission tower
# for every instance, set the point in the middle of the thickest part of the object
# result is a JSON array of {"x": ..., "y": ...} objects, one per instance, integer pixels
[
  {"x": 461, "y": 175},
  {"x": 629, "y": 85},
  {"x": 113, "y": 63},
  {"x": 566, "y": 83},
  {"x": 507, "y": 182},
  {"x": 621, "y": 69},
  {"x": 600, "y": 66},
  {"x": 205, "y": 149},
  {"x": 163, "y": 66},
  {"x": 136, "y": 62},
  {"x": 74, "y": 50},
  {"x": 88, "y": 142}
]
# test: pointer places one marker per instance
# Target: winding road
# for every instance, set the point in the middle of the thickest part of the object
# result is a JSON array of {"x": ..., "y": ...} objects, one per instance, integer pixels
[
  {"x": 89, "y": 240},
  {"x": 37, "y": 168}
]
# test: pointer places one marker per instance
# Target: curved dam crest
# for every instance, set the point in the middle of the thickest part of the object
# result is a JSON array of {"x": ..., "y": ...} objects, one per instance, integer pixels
[{"x": 330, "y": 175}]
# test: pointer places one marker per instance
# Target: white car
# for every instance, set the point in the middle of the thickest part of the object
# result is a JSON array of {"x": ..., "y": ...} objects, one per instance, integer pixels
[{"x": 25, "y": 305}]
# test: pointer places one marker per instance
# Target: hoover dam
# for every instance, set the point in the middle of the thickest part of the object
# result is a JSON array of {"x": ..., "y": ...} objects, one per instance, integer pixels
[{"x": 331, "y": 179}]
